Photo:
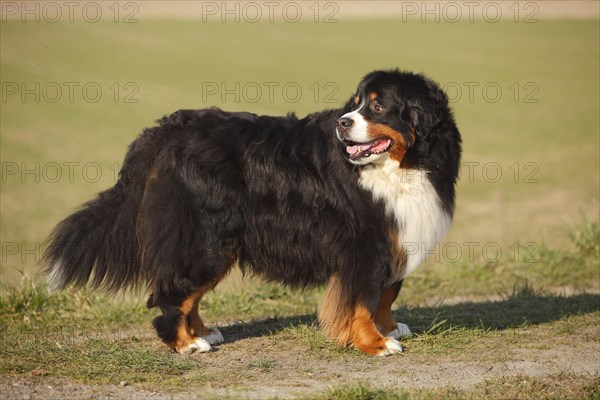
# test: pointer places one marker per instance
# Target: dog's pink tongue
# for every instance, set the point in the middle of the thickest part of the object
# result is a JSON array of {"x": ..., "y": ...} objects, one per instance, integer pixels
[
  {"x": 354, "y": 149},
  {"x": 380, "y": 145}
]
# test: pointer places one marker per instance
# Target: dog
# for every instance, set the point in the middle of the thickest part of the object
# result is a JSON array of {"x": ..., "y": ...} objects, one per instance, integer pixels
[{"x": 354, "y": 198}]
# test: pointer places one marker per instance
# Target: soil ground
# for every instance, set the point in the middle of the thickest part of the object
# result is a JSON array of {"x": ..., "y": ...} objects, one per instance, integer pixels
[{"x": 283, "y": 366}]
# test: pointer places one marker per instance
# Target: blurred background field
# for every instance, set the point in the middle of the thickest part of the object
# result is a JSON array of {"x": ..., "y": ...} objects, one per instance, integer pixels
[
  {"x": 519, "y": 270},
  {"x": 525, "y": 96}
]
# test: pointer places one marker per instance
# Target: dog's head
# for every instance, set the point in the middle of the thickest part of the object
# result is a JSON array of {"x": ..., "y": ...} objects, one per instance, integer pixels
[{"x": 389, "y": 112}]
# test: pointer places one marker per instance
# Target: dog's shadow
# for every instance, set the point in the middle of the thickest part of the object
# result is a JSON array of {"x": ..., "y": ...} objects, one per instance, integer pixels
[{"x": 523, "y": 309}]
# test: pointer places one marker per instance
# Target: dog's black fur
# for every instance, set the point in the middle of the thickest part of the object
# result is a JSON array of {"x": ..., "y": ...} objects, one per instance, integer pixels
[{"x": 206, "y": 188}]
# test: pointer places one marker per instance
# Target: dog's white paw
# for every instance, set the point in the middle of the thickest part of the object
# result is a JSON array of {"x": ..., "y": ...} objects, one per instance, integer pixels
[
  {"x": 392, "y": 347},
  {"x": 401, "y": 331},
  {"x": 214, "y": 337},
  {"x": 199, "y": 344},
  {"x": 202, "y": 345}
]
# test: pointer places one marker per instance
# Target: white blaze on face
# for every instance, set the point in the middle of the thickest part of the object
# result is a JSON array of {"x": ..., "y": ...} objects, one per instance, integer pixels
[{"x": 358, "y": 132}]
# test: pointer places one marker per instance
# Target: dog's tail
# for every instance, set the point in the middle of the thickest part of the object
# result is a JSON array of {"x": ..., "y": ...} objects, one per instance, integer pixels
[{"x": 98, "y": 243}]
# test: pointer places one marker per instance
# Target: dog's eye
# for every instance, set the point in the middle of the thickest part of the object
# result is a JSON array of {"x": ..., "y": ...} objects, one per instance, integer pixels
[{"x": 377, "y": 108}]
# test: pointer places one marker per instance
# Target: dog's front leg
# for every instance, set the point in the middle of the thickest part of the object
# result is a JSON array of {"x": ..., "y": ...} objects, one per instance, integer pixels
[{"x": 350, "y": 320}]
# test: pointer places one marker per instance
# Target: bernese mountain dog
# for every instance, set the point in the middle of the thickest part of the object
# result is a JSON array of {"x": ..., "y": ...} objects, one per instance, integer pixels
[{"x": 354, "y": 197}]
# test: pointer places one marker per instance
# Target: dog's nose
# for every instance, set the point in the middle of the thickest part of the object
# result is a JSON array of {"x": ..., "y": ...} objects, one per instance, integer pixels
[{"x": 344, "y": 123}]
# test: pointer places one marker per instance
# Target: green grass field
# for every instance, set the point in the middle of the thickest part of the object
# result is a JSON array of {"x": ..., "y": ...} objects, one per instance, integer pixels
[
  {"x": 553, "y": 141},
  {"x": 83, "y": 337},
  {"x": 529, "y": 187}
]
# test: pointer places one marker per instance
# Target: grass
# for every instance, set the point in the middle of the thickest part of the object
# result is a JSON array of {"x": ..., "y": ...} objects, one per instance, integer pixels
[
  {"x": 77, "y": 335},
  {"x": 472, "y": 330},
  {"x": 559, "y": 386},
  {"x": 573, "y": 267}
]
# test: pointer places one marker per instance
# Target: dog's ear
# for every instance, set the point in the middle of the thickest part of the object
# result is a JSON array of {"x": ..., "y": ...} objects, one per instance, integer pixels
[
  {"x": 429, "y": 111},
  {"x": 421, "y": 120},
  {"x": 355, "y": 100},
  {"x": 415, "y": 116},
  {"x": 352, "y": 103}
]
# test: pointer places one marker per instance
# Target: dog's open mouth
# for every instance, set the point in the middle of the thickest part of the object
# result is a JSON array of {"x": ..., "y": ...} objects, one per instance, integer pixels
[{"x": 361, "y": 150}]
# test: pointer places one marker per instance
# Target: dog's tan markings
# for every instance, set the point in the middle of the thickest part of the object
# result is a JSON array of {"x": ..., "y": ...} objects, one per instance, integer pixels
[
  {"x": 364, "y": 334},
  {"x": 384, "y": 319},
  {"x": 350, "y": 324},
  {"x": 335, "y": 313},
  {"x": 184, "y": 337},
  {"x": 356, "y": 100},
  {"x": 372, "y": 96},
  {"x": 153, "y": 173},
  {"x": 381, "y": 130},
  {"x": 398, "y": 256},
  {"x": 191, "y": 326},
  {"x": 195, "y": 323}
]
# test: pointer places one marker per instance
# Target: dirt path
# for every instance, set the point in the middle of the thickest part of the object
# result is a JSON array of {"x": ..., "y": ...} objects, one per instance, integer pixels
[{"x": 264, "y": 367}]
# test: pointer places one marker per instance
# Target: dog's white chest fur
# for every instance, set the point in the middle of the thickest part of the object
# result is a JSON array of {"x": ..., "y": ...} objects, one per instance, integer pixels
[{"x": 412, "y": 200}]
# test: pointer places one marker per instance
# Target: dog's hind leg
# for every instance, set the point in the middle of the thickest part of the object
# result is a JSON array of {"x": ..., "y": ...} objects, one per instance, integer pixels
[
  {"x": 195, "y": 324},
  {"x": 198, "y": 329},
  {"x": 186, "y": 229},
  {"x": 180, "y": 326},
  {"x": 173, "y": 326}
]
